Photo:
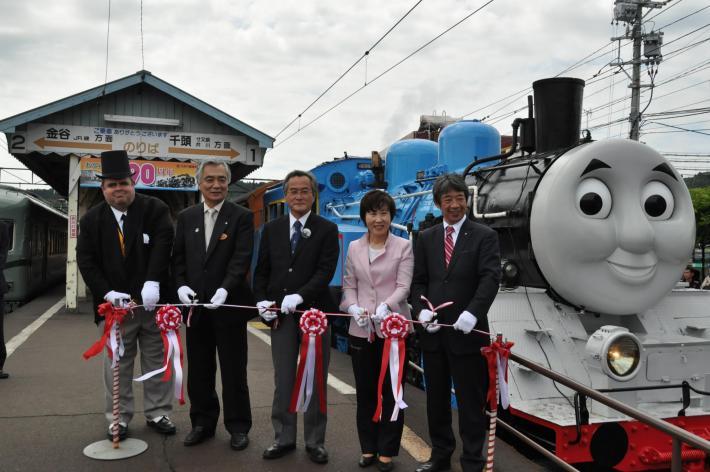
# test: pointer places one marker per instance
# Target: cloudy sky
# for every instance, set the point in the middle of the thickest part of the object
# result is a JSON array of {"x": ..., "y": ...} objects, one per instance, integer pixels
[{"x": 265, "y": 61}]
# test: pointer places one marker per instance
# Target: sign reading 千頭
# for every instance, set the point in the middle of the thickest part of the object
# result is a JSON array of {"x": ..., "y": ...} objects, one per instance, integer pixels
[
  {"x": 63, "y": 139},
  {"x": 153, "y": 175}
]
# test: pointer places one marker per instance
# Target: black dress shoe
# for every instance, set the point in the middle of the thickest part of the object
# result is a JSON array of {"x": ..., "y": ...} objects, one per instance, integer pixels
[
  {"x": 4, "y": 375},
  {"x": 278, "y": 450},
  {"x": 433, "y": 466},
  {"x": 197, "y": 435},
  {"x": 122, "y": 433},
  {"x": 317, "y": 454},
  {"x": 164, "y": 426},
  {"x": 366, "y": 461},
  {"x": 385, "y": 466},
  {"x": 239, "y": 441}
]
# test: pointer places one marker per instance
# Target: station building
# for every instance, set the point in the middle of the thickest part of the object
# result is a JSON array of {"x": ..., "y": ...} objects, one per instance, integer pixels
[{"x": 165, "y": 131}]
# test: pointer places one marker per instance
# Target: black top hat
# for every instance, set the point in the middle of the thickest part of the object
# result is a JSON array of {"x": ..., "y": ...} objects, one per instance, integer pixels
[{"x": 114, "y": 165}]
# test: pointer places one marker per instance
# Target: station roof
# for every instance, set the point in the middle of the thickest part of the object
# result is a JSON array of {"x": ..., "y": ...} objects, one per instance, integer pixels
[
  {"x": 141, "y": 94},
  {"x": 8, "y": 125}
]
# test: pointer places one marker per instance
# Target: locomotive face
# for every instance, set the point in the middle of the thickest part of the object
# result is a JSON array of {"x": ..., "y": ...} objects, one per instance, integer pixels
[{"x": 612, "y": 226}]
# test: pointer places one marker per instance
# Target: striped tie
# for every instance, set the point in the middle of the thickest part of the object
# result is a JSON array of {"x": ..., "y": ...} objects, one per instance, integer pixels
[
  {"x": 121, "y": 241},
  {"x": 448, "y": 245}
]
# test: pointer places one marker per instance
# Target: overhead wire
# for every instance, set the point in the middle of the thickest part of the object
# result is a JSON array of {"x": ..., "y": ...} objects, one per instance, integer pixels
[
  {"x": 357, "y": 61},
  {"x": 383, "y": 73}
]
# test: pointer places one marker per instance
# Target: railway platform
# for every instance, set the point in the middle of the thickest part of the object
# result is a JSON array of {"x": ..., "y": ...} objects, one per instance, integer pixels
[{"x": 51, "y": 407}]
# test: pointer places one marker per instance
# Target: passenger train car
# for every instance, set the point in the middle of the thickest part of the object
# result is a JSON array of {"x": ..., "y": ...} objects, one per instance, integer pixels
[
  {"x": 37, "y": 256},
  {"x": 594, "y": 236}
]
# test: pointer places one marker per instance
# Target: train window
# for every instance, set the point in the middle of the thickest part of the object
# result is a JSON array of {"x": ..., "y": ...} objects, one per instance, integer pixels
[
  {"x": 337, "y": 180},
  {"x": 11, "y": 232},
  {"x": 364, "y": 165}
]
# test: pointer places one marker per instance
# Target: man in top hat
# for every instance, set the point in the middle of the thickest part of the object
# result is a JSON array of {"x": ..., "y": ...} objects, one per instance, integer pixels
[{"x": 123, "y": 253}]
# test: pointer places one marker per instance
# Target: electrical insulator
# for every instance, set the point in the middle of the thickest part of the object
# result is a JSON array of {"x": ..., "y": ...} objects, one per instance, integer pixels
[
  {"x": 625, "y": 11},
  {"x": 652, "y": 43}
]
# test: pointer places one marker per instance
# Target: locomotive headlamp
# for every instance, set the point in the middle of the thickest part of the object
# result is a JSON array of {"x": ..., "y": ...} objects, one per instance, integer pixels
[
  {"x": 617, "y": 350},
  {"x": 510, "y": 272}
]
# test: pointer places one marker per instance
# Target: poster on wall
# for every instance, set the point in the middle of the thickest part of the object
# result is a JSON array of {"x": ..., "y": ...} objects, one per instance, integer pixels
[{"x": 147, "y": 175}]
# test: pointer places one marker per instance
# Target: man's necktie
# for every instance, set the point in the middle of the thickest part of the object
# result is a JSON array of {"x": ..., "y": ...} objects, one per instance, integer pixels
[
  {"x": 209, "y": 225},
  {"x": 296, "y": 236},
  {"x": 448, "y": 245},
  {"x": 121, "y": 240}
]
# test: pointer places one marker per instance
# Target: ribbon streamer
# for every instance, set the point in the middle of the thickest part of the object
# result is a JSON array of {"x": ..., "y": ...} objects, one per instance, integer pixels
[
  {"x": 497, "y": 359},
  {"x": 313, "y": 324},
  {"x": 394, "y": 328},
  {"x": 113, "y": 342},
  {"x": 168, "y": 318}
]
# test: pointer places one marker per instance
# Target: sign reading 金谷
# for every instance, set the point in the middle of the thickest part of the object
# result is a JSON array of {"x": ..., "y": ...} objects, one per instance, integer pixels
[
  {"x": 83, "y": 140},
  {"x": 152, "y": 175}
]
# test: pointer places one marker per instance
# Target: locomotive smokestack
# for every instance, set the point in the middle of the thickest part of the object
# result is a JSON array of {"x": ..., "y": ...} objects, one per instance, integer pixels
[{"x": 558, "y": 112}]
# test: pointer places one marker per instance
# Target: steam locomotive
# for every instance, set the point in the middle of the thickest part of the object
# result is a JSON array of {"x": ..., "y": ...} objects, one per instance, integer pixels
[{"x": 593, "y": 236}]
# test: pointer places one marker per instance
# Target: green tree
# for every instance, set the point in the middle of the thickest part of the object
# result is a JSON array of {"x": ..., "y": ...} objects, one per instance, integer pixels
[{"x": 701, "y": 204}]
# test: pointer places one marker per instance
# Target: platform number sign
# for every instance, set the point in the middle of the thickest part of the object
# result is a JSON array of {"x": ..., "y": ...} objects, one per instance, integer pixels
[{"x": 16, "y": 143}]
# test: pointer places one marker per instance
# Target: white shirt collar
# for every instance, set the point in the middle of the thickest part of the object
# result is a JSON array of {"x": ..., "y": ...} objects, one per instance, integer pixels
[
  {"x": 292, "y": 219},
  {"x": 457, "y": 225},
  {"x": 217, "y": 207},
  {"x": 118, "y": 214}
]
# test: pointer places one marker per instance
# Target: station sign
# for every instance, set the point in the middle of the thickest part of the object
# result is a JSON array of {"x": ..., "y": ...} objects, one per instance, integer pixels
[
  {"x": 90, "y": 140},
  {"x": 147, "y": 175}
]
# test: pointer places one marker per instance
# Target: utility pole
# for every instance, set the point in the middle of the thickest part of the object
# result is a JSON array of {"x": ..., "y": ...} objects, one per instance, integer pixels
[{"x": 631, "y": 13}]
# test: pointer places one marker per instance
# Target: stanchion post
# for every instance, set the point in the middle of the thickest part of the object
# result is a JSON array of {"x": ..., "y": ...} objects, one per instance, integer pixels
[
  {"x": 493, "y": 417},
  {"x": 115, "y": 393}
]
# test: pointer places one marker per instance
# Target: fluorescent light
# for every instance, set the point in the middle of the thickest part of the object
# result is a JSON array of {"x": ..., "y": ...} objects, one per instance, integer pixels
[{"x": 145, "y": 120}]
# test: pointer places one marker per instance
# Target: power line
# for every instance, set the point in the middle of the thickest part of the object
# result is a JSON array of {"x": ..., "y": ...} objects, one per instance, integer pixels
[
  {"x": 682, "y": 129},
  {"x": 364, "y": 55},
  {"x": 108, "y": 30},
  {"x": 420, "y": 48},
  {"x": 142, "y": 51}
]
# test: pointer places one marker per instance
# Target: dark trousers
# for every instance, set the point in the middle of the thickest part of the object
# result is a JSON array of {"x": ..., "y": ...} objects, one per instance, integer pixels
[
  {"x": 384, "y": 437},
  {"x": 470, "y": 376},
  {"x": 218, "y": 333},
  {"x": 3, "y": 351}
]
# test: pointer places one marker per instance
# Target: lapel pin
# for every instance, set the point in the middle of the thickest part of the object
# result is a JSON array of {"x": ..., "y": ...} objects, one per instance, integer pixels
[
  {"x": 223, "y": 236},
  {"x": 197, "y": 230}
]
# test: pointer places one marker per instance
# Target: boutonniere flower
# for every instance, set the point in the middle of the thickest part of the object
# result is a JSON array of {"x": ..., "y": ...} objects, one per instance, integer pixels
[{"x": 306, "y": 233}]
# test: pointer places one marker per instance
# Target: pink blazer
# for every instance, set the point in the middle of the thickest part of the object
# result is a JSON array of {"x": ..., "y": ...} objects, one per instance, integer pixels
[{"x": 387, "y": 279}]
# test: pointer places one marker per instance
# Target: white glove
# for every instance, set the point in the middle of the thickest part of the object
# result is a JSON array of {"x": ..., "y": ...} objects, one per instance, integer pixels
[
  {"x": 267, "y": 315},
  {"x": 186, "y": 295},
  {"x": 290, "y": 302},
  {"x": 358, "y": 314},
  {"x": 466, "y": 322},
  {"x": 118, "y": 299},
  {"x": 150, "y": 294},
  {"x": 425, "y": 316},
  {"x": 381, "y": 313},
  {"x": 219, "y": 297}
]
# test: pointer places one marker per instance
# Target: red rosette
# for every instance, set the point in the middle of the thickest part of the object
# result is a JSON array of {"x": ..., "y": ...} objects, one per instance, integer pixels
[
  {"x": 168, "y": 318},
  {"x": 395, "y": 326},
  {"x": 313, "y": 322}
]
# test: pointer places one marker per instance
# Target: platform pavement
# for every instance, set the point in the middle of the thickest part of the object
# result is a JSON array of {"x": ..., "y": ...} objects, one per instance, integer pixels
[{"x": 52, "y": 407}]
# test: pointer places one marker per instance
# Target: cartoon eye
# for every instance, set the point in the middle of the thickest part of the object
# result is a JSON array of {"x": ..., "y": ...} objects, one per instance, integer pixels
[
  {"x": 657, "y": 200},
  {"x": 594, "y": 198}
]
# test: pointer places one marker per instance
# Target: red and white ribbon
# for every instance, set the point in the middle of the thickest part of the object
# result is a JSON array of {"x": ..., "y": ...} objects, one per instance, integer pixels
[
  {"x": 395, "y": 328},
  {"x": 168, "y": 318},
  {"x": 111, "y": 338},
  {"x": 313, "y": 324},
  {"x": 496, "y": 356}
]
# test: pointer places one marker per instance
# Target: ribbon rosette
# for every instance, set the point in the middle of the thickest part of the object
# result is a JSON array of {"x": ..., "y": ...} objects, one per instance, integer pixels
[
  {"x": 395, "y": 328},
  {"x": 168, "y": 318},
  {"x": 313, "y": 324},
  {"x": 113, "y": 317},
  {"x": 497, "y": 358}
]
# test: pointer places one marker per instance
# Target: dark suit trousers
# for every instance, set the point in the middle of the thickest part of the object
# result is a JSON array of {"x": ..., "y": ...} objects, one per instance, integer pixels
[
  {"x": 470, "y": 376},
  {"x": 285, "y": 343},
  {"x": 3, "y": 351},
  {"x": 218, "y": 333},
  {"x": 383, "y": 437}
]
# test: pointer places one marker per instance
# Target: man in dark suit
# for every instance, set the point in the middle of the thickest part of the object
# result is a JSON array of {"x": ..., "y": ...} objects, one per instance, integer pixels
[
  {"x": 298, "y": 255},
  {"x": 4, "y": 245},
  {"x": 123, "y": 252},
  {"x": 211, "y": 258},
  {"x": 458, "y": 261}
]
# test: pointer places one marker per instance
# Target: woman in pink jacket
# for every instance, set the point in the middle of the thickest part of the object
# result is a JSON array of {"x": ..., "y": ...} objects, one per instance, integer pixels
[{"x": 378, "y": 273}]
